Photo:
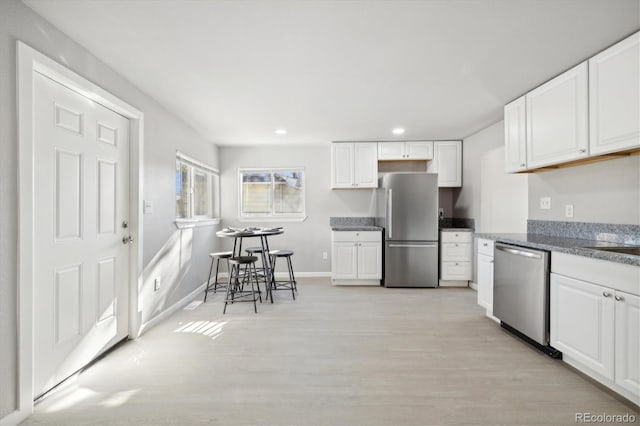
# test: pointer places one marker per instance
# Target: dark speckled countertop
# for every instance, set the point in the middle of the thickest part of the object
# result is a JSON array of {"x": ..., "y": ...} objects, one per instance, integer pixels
[
  {"x": 353, "y": 224},
  {"x": 565, "y": 245}
]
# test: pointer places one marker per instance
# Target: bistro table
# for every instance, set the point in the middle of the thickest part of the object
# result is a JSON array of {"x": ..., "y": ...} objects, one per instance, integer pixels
[{"x": 238, "y": 234}]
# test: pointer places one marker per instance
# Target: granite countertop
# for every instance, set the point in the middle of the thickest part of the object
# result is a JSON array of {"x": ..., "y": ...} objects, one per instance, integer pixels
[
  {"x": 356, "y": 228},
  {"x": 353, "y": 224},
  {"x": 565, "y": 245}
]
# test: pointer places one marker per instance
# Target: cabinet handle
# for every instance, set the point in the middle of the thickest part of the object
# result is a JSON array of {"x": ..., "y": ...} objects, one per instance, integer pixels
[
  {"x": 491, "y": 261},
  {"x": 485, "y": 244},
  {"x": 605, "y": 294},
  {"x": 583, "y": 150},
  {"x": 619, "y": 298},
  {"x": 522, "y": 165}
]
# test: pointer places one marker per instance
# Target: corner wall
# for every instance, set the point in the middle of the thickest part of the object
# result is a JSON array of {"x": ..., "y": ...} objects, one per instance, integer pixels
[
  {"x": 164, "y": 133},
  {"x": 495, "y": 199}
]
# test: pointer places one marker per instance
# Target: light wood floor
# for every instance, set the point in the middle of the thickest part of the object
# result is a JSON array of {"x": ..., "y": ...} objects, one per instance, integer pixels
[{"x": 335, "y": 356}]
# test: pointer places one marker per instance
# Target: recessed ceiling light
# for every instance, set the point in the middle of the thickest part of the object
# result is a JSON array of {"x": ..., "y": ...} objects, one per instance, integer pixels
[
  {"x": 281, "y": 131},
  {"x": 398, "y": 131}
]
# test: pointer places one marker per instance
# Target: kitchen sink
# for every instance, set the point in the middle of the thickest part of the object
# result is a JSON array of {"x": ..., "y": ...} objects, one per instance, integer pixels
[{"x": 635, "y": 251}]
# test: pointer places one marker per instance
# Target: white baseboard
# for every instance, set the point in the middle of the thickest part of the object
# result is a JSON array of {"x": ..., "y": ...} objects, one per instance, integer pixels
[
  {"x": 14, "y": 418},
  {"x": 172, "y": 309},
  {"x": 450, "y": 283},
  {"x": 473, "y": 285}
]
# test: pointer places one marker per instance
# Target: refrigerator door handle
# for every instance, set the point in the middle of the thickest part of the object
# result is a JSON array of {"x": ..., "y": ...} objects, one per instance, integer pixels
[
  {"x": 390, "y": 209},
  {"x": 414, "y": 245}
]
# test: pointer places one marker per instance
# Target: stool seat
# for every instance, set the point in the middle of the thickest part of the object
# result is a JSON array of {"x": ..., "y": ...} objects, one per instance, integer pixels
[
  {"x": 243, "y": 260},
  {"x": 254, "y": 250},
  {"x": 281, "y": 253},
  {"x": 221, "y": 255}
]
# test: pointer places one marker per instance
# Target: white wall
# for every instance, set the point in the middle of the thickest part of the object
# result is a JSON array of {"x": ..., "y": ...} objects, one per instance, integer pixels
[
  {"x": 497, "y": 201},
  {"x": 164, "y": 133},
  {"x": 606, "y": 192},
  {"x": 310, "y": 238}
]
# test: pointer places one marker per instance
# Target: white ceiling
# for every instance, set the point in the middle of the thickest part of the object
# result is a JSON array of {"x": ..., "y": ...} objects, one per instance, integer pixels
[{"x": 340, "y": 70}]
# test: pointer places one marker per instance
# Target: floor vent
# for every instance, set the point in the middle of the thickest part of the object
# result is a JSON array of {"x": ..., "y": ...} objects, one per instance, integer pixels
[{"x": 191, "y": 306}]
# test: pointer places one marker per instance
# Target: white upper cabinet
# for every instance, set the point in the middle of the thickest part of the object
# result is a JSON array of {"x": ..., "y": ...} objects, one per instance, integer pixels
[
  {"x": 447, "y": 163},
  {"x": 614, "y": 98},
  {"x": 416, "y": 150},
  {"x": 354, "y": 165},
  {"x": 557, "y": 119},
  {"x": 366, "y": 165},
  {"x": 515, "y": 136}
]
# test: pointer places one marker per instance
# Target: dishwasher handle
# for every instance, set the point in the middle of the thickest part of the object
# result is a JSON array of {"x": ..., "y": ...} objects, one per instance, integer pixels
[{"x": 518, "y": 252}]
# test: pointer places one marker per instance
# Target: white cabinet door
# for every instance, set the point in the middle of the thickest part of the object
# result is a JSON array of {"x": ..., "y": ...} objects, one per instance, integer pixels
[
  {"x": 628, "y": 342},
  {"x": 369, "y": 261},
  {"x": 344, "y": 261},
  {"x": 557, "y": 128},
  {"x": 614, "y": 97},
  {"x": 419, "y": 150},
  {"x": 391, "y": 151},
  {"x": 342, "y": 169},
  {"x": 485, "y": 282},
  {"x": 447, "y": 163},
  {"x": 582, "y": 323},
  {"x": 366, "y": 165},
  {"x": 515, "y": 136}
]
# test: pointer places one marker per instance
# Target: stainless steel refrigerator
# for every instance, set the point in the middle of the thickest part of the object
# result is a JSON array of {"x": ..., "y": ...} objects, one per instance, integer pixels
[{"x": 407, "y": 209}]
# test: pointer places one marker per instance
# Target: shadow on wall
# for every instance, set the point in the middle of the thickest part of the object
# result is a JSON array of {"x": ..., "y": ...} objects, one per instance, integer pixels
[{"x": 169, "y": 266}]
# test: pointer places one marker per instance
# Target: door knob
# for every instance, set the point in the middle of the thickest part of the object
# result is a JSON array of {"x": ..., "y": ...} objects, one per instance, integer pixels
[
  {"x": 127, "y": 240},
  {"x": 125, "y": 224},
  {"x": 619, "y": 298}
]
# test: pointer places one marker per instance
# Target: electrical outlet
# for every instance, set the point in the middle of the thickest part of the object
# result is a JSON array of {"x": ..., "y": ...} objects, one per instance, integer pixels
[
  {"x": 325, "y": 256},
  {"x": 441, "y": 213},
  {"x": 568, "y": 210},
  {"x": 545, "y": 203},
  {"x": 156, "y": 283}
]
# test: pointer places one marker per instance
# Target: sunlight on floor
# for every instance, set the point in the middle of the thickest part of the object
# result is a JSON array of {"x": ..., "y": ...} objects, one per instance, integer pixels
[
  {"x": 211, "y": 329},
  {"x": 73, "y": 394}
]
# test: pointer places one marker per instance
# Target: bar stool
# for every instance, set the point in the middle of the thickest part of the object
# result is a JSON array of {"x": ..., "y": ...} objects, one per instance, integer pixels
[
  {"x": 215, "y": 257},
  {"x": 237, "y": 280},
  {"x": 289, "y": 284},
  {"x": 259, "y": 252}
]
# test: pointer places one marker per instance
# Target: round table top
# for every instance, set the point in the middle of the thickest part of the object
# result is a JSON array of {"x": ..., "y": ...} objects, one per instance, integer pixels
[{"x": 248, "y": 232}]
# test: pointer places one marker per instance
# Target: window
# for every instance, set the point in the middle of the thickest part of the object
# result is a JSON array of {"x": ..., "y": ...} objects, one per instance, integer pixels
[
  {"x": 272, "y": 193},
  {"x": 197, "y": 190}
]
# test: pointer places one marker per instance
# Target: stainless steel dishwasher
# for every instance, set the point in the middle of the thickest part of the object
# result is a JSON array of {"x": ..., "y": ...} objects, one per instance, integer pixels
[{"x": 521, "y": 293}]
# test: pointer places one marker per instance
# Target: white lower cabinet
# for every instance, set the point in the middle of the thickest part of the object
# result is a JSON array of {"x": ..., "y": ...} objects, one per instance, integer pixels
[
  {"x": 627, "y": 361},
  {"x": 356, "y": 257},
  {"x": 596, "y": 323},
  {"x": 485, "y": 274},
  {"x": 582, "y": 322},
  {"x": 456, "y": 255}
]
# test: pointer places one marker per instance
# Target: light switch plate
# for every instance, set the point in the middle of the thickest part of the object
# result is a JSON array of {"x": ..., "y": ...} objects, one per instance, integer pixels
[
  {"x": 545, "y": 203},
  {"x": 148, "y": 207}
]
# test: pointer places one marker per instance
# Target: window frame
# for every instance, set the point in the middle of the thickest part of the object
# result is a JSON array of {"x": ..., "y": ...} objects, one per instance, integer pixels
[
  {"x": 272, "y": 216},
  {"x": 213, "y": 184}
]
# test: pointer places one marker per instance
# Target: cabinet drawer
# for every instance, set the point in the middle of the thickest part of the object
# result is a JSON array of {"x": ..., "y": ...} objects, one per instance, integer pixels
[
  {"x": 357, "y": 236},
  {"x": 456, "y": 271},
  {"x": 485, "y": 247},
  {"x": 456, "y": 237},
  {"x": 456, "y": 252}
]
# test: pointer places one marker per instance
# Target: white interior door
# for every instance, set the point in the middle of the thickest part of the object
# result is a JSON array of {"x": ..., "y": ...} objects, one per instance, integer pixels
[{"x": 81, "y": 202}]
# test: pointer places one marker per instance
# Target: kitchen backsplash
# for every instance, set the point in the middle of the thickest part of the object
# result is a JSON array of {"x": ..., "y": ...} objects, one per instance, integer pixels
[{"x": 615, "y": 233}]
